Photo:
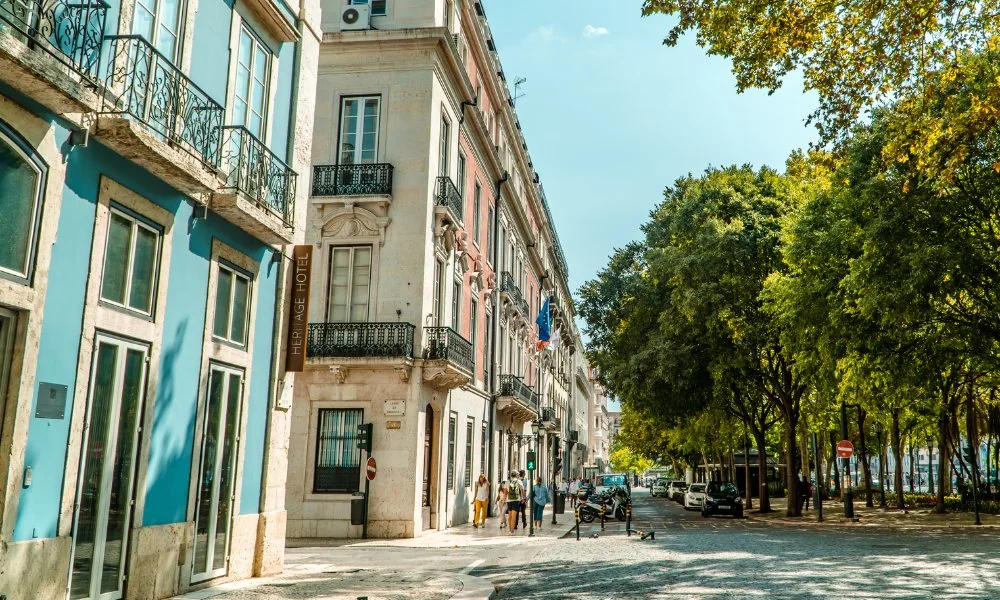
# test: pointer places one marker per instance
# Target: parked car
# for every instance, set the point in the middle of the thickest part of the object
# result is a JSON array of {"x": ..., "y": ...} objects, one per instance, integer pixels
[
  {"x": 722, "y": 499},
  {"x": 659, "y": 488},
  {"x": 676, "y": 490},
  {"x": 694, "y": 498}
]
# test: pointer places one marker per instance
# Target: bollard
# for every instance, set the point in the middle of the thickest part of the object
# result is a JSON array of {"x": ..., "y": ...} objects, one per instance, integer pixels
[
  {"x": 576, "y": 513},
  {"x": 628, "y": 517},
  {"x": 602, "y": 516}
]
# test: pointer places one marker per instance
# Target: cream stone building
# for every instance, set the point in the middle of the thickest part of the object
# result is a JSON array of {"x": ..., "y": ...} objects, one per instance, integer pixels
[{"x": 434, "y": 251}]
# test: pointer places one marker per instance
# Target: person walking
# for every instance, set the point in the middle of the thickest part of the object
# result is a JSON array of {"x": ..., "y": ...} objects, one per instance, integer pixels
[
  {"x": 540, "y": 495},
  {"x": 515, "y": 502},
  {"x": 524, "y": 500},
  {"x": 574, "y": 489},
  {"x": 480, "y": 501},
  {"x": 502, "y": 504}
]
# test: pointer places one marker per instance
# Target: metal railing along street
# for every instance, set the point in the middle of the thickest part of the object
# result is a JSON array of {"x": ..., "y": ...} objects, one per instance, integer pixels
[
  {"x": 144, "y": 84},
  {"x": 444, "y": 343},
  {"x": 352, "y": 340},
  {"x": 71, "y": 32},
  {"x": 352, "y": 180},
  {"x": 257, "y": 172}
]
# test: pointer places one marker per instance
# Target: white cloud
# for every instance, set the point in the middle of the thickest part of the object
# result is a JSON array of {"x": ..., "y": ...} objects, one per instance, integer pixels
[
  {"x": 591, "y": 32},
  {"x": 547, "y": 33}
]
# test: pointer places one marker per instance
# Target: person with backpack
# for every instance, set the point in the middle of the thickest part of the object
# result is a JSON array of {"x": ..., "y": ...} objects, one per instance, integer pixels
[
  {"x": 515, "y": 501},
  {"x": 540, "y": 495},
  {"x": 524, "y": 500}
]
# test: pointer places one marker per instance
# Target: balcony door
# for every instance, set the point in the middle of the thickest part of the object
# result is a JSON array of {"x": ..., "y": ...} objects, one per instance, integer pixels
[
  {"x": 358, "y": 143},
  {"x": 107, "y": 469},
  {"x": 246, "y": 153},
  {"x": 426, "y": 493},
  {"x": 157, "y": 100},
  {"x": 216, "y": 485},
  {"x": 350, "y": 284},
  {"x": 159, "y": 22}
]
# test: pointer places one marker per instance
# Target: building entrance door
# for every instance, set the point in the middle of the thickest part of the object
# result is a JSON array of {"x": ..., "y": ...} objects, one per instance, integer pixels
[
  {"x": 216, "y": 489},
  {"x": 425, "y": 502},
  {"x": 107, "y": 469}
]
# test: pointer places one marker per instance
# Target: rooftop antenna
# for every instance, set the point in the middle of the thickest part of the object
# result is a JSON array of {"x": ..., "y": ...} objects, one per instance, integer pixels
[{"x": 517, "y": 88}]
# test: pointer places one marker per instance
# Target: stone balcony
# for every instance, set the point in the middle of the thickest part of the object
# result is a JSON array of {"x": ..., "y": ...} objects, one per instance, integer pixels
[
  {"x": 448, "y": 358},
  {"x": 344, "y": 346},
  {"x": 517, "y": 398},
  {"x": 549, "y": 420},
  {"x": 51, "y": 51}
]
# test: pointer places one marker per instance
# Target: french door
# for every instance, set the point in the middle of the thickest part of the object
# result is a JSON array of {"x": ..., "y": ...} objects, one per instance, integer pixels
[
  {"x": 107, "y": 469},
  {"x": 216, "y": 489},
  {"x": 7, "y": 325}
]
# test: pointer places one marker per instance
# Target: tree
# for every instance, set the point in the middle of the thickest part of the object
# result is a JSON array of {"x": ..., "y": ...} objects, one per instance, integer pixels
[{"x": 624, "y": 460}]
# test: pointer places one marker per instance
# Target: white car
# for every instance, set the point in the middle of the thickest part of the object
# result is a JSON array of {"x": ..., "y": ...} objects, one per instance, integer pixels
[
  {"x": 659, "y": 488},
  {"x": 694, "y": 498}
]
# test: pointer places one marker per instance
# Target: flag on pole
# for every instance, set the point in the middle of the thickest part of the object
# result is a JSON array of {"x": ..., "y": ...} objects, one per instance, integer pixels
[
  {"x": 554, "y": 338},
  {"x": 544, "y": 322}
]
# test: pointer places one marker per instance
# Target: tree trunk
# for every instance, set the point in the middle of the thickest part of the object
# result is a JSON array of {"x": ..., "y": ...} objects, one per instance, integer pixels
[
  {"x": 747, "y": 481},
  {"x": 943, "y": 426},
  {"x": 793, "y": 508},
  {"x": 765, "y": 499},
  {"x": 882, "y": 471},
  {"x": 897, "y": 452},
  {"x": 930, "y": 466},
  {"x": 865, "y": 464},
  {"x": 911, "y": 465},
  {"x": 836, "y": 466}
]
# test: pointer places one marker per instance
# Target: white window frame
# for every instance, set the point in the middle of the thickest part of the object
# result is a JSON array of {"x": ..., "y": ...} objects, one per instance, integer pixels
[
  {"x": 257, "y": 42},
  {"x": 31, "y": 244},
  {"x": 477, "y": 211},
  {"x": 157, "y": 22},
  {"x": 154, "y": 289},
  {"x": 234, "y": 273},
  {"x": 444, "y": 146},
  {"x": 456, "y": 306},
  {"x": 350, "y": 282},
  {"x": 373, "y": 3},
  {"x": 359, "y": 132}
]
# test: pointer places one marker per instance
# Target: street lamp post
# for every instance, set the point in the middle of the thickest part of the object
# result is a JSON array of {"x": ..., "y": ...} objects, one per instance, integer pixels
[
  {"x": 846, "y": 485},
  {"x": 531, "y": 476}
]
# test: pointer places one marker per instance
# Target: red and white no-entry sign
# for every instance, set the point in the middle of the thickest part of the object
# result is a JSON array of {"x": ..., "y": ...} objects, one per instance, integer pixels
[
  {"x": 845, "y": 448},
  {"x": 371, "y": 469}
]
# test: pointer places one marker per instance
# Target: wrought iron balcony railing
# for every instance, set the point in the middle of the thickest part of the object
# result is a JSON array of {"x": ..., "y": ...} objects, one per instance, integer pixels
[
  {"x": 357, "y": 340},
  {"x": 448, "y": 195},
  {"x": 254, "y": 170},
  {"x": 574, "y": 435},
  {"x": 549, "y": 414},
  {"x": 509, "y": 286},
  {"x": 444, "y": 343},
  {"x": 514, "y": 386},
  {"x": 145, "y": 84},
  {"x": 352, "y": 180},
  {"x": 71, "y": 32}
]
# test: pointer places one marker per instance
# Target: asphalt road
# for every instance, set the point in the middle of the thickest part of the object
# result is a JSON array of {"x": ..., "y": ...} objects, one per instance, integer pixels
[{"x": 720, "y": 557}]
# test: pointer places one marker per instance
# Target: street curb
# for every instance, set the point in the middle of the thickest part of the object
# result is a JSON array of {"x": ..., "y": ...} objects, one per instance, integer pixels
[{"x": 474, "y": 588}]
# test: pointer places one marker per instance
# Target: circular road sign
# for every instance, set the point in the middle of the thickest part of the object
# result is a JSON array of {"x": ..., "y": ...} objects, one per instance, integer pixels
[
  {"x": 845, "y": 448},
  {"x": 371, "y": 469}
]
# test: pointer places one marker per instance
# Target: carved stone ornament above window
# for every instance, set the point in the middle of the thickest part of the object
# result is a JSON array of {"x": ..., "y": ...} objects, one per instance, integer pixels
[{"x": 355, "y": 221}]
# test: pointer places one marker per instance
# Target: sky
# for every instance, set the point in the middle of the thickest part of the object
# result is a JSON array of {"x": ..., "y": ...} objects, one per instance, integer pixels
[{"x": 611, "y": 116}]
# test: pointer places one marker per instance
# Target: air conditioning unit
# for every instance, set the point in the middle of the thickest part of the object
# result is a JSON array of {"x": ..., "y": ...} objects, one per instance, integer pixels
[{"x": 353, "y": 17}]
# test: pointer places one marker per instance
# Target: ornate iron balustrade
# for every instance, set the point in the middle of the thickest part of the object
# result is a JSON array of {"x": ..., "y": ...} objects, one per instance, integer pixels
[
  {"x": 254, "y": 170},
  {"x": 509, "y": 286},
  {"x": 71, "y": 32},
  {"x": 447, "y": 195},
  {"x": 356, "y": 340},
  {"x": 574, "y": 435},
  {"x": 352, "y": 180},
  {"x": 444, "y": 343},
  {"x": 514, "y": 386},
  {"x": 145, "y": 84},
  {"x": 549, "y": 414}
]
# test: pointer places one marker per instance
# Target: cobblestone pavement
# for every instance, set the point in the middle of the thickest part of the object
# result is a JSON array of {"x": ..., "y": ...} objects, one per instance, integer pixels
[{"x": 719, "y": 557}]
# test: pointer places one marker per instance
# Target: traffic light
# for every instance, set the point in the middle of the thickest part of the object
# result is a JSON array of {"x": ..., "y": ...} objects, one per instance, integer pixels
[
  {"x": 531, "y": 460},
  {"x": 365, "y": 437}
]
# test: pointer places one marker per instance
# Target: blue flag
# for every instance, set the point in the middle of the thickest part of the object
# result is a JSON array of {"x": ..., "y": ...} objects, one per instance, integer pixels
[{"x": 544, "y": 322}]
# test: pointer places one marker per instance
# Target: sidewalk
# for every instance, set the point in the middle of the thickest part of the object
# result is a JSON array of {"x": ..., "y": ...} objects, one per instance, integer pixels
[
  {"x": 890, "y": 518},
  {"x": 350, "y": 569}
]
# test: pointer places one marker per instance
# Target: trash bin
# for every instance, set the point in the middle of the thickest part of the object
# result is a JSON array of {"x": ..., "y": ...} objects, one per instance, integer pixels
[
  {"x": 560, "y": 505},
  {"x": 358, "y": 510}
]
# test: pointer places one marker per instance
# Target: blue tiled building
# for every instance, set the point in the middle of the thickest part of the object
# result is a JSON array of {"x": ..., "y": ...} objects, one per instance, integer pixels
[{"x": 150, "y": 153}]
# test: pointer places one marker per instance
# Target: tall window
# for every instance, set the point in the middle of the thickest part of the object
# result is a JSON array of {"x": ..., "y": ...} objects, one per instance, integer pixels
[
  {"x": 438, "y": 288},
  {"x": 452, "y": 434},
  {"x": 338, "y": 459},
  {"x": 489, "y": 234},
  {"x": 253, "y": 80},
  {"x": 447, "y": 14},
  {"x": 232, "y": 305},
  {"x": 131, "y": 257},
  {"x": 460, "y": 184},
  {"x": 350, "y": 284},
  {"x": 359, "y": 126},
  {"x": 477, "y": 211},
  {"x": 444, "y": 146},
  {"x": 482, "y": 449},
  {"x": 456, "y": 306},
  {"x": 470, "y": 431},
  {"x": 159, "y": 22},
  {"x": 488, "y": 364},
  {"x": 473, "y": 334},
  {"x": 21, "y": 179},
  {"x": 378, "y": 6}
]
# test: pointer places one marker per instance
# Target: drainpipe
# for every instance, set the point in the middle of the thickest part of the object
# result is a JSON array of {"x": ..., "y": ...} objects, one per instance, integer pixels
[{"x": 494, "y": 335}]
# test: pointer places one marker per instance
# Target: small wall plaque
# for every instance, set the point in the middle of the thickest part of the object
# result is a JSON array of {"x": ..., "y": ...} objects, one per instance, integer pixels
[
  {"x": 51, "y": 401},
  {"x": 395, "y": 408},
  {"x": 393, "y": 424}
]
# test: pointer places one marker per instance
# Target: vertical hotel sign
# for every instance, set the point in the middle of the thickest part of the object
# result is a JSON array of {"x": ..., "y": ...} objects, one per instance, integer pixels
[{"x": 298, "y": 323}]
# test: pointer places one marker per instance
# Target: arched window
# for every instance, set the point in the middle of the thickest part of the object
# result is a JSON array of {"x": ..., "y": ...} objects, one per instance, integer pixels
[{"x": 22, "y": 179}]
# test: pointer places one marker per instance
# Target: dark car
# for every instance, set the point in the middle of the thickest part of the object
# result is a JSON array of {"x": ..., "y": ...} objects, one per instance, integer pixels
[{"x": 722, "y": 499}]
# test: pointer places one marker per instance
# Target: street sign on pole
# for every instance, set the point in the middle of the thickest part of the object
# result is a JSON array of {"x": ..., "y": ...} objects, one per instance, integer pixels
[
  {"x": 845, "y": 448},
  {"x": 371, "y": 469}
]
